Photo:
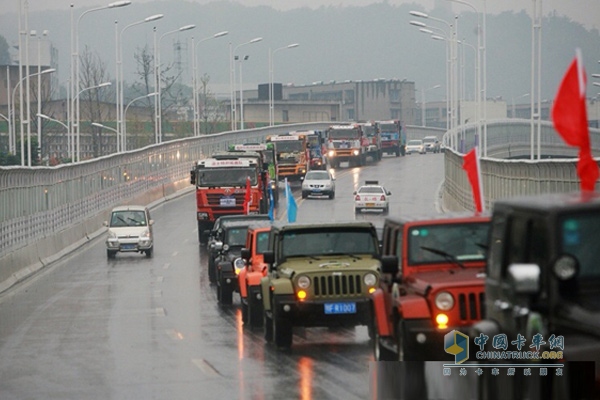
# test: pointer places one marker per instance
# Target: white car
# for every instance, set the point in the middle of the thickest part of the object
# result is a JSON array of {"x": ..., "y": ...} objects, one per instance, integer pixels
[
  {"x": 372, "y": 196},
  {"x": 318, "y": 183},
  {"x": 415, "y": 146},
  {"x": 432, "y": 144},
  {"x": 130, "y": 231}
]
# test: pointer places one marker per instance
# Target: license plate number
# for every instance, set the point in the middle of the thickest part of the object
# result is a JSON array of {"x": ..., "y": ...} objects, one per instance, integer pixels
[
  {"x": 128, "y": 246},
  {"x": 340, "y": 308},
  {"x": 370, "y": 204},
  {"x": 227, "y": 202}
]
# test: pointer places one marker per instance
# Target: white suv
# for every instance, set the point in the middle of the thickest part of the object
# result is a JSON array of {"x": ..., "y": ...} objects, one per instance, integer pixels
[{"x": 129, "y": 230}]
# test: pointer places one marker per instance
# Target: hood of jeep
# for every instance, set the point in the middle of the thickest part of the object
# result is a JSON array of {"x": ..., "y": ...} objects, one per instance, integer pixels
[
  {"x": 319, "y": 264},
  {"x": 446, "y": 278}
]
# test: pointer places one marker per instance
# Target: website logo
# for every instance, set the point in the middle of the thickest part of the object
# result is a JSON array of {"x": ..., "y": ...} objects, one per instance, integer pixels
[{"x": 457, "y": 344}]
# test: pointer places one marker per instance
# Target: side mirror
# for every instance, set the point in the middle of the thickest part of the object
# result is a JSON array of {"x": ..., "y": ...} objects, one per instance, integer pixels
[
  {"x": 524, "y": 278},
  {"x": 245, "y": 254},
  {"x": 388, "y": 193},
  {"x": 193, "y": 177},
  {"x": 389, "y": 264},
  {"x": 269, "y": 258},
  {"x": 354, "y": 193},
  {"x": 151, "y": 222}
]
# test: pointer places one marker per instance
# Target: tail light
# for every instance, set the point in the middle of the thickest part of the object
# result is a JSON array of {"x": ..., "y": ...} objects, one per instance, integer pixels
[
  {"x": 382, "y": 198},
  {"x": 357, "y": 198}
]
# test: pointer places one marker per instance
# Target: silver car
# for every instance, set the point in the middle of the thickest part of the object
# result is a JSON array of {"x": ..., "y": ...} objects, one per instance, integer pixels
[
  {"x": 129, "y": 231},
  {"x": 318, "y": 183}
]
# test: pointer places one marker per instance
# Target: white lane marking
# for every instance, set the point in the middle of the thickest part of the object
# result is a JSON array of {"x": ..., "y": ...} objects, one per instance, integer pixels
[{"x": 205, "y": 367}]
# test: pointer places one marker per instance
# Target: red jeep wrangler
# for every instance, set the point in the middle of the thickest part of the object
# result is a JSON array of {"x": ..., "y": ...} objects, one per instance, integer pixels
[{"x": 437, "y": 286}]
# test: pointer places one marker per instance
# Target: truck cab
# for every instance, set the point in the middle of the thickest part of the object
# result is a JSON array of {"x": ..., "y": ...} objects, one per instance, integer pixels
[
  {"x": 437, "y": 285},
  {"x": 543, "y": 278}
]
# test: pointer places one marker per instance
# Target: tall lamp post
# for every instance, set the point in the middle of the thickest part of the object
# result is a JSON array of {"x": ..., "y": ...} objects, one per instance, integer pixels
[
  {"x": 46, "y": 71},
  {"x": 424, "y": 105},
  {"x": 124, "y": 136},
  {"x": 75, "y": 81},
  {"x": 40, "y": 116},
  {"x": 77, "y": 153},
  {"x": 232, "y": 79},
  {"x": 241, "y": 92},
  {"x": 158, "y": 115},
  {"x": 271, "y": 80},
  {"x": 120, "y": 80},
  {"x": 195, "y": 102},
  {"x": 39, "y": 85}
]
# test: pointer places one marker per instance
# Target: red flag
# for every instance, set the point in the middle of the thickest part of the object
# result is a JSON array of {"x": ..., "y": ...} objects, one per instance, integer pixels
[
  {"x": 569, "y": 115},
  {"x": 471, "y": 165},
  {"x": 247, "y": 196}
]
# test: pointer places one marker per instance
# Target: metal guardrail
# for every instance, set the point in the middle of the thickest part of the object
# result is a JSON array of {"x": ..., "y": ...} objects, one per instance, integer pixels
[
  {"x": 503, "y": 177},
  {"x": 36, "y": 202}
]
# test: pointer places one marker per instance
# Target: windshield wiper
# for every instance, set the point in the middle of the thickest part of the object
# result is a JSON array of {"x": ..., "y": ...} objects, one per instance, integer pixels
[
  {"x": 447, "y": 256},
  {"x": 344, "y": 254}
]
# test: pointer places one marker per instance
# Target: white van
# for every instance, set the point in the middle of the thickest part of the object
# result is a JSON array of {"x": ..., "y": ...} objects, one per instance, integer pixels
[{"x": 129, "y": 230}]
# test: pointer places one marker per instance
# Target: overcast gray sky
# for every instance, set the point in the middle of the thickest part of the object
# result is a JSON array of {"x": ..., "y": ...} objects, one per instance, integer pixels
[{"x": 587, "y": 12}]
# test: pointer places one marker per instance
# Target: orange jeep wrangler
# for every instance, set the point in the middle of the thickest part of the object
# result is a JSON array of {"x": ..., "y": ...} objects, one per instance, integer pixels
[{"x": 257, "y": 241}]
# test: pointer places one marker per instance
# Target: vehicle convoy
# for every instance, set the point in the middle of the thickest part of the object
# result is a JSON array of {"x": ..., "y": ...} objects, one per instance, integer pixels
[
  {"x": 393, "y": 138},
  {"x": 318, "y": 183},
  {"x": 228, "y": 262},
  {"x": 269, "y": 163},
  {"x": 216, "y": 235},
  {"x": 255, "y": 268},
  {"x": 221, "y": 189},
  {"x": 319, "y": 275},
  {"x": 436, "y": 287},
  {"x": 372, "y": 196},
  {"x": 129, "y": 231},
  {"x": 346, "y": 143},
  {"x": 291, "y": 153},
  {"x": 543, "y": 278},
  {"x": 373, "y": 136},
  {"x": 316, "y": 148}
]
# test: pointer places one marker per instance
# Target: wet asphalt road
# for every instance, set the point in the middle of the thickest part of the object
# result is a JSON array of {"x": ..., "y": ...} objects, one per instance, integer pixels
[{"x": 139, "y": 328}]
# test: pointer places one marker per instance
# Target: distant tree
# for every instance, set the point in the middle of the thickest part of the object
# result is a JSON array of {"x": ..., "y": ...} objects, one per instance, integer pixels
[
  {"x": 93, "y": 73},
  {"x": 210, "y": 108},
  {"x": 4, "y": 52}
]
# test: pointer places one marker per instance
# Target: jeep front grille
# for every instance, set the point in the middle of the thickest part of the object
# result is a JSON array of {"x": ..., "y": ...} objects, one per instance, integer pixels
[
  {"x": 337, "y": 285},
  {"x": 471, "y": 306}
]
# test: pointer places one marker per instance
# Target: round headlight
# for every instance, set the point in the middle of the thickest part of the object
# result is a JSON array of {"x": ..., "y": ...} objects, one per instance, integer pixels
[
  {"x": 331, "y": 153},
  {"x": 304, "y": 282},
  {"x": 565, "y": 267},
  {"x": 444, "y": 301},
  {"x": 225, "y": 247},
  {"x": 370, "y": 279},
  {"x": 239, "y": 263},
  {"x": 355, "y": 152}
]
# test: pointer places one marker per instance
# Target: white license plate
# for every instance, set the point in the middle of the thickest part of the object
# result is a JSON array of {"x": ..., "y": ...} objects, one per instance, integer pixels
[
  {"x": 227, "y": 202},
  {"x": 340, "y": 308}
]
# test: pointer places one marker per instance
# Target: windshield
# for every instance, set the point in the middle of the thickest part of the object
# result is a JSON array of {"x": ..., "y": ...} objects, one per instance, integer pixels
[
  {"x": 317, "y": 176},
  {"x": 128, "y": 218},
  {"x": 208, "y": 177},
  {"x": 464, "y": 242},
  {"x": 236, "y": 237},
  {"x": 343, "y": 134},
  {"x": 324, "y": 242},
  {"x": 579, "y": 237},
  {"x": 369, "y": 130},
  {"x": 415, "y": 142},
  {"x": 387, "y": 128},
  {"x": 289, "y": 146},
  {"x": 429, "y": 140},
  {"x": 262, "y": 242},
  {"x": 389, "y": 136}
]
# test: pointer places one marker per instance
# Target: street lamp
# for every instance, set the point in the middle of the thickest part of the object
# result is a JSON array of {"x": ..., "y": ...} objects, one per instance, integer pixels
[
  {"x": 271, "y": 80},
  {"x": 242, "y": 92},
  {"x": 196, "y": 103},
  {"x": 158, "y": 116},
  {"x": 46, "y": 71},
  {"x": 124, "y": 146},
  {"x": 39, "y": 85},
  {"x": 101, "y": 85},
  {"x": 232, "y": 79},
  {"x": 75, "y": 75},
  {"x": 44, "y": 116},
  {"x": 120, "y": 80},
  {"x": 424, "y": 105}
]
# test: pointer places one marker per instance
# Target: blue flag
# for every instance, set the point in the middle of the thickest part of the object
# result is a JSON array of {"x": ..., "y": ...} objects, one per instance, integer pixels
[
  {"x": 292, "y": 207},
  {"x": 271, "y": 203}
]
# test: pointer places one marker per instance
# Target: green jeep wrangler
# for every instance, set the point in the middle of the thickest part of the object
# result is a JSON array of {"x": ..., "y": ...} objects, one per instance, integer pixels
[{"x": 320, "y": 275}]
